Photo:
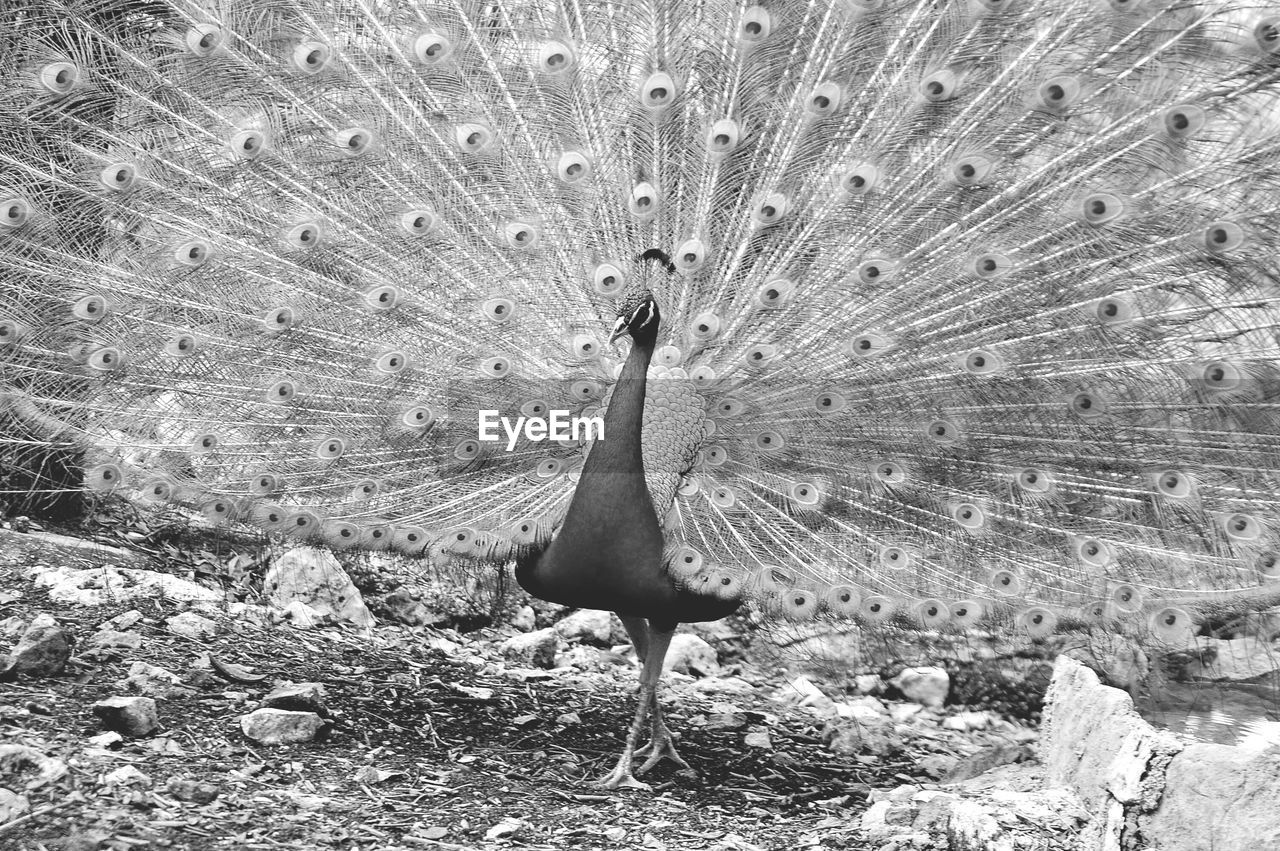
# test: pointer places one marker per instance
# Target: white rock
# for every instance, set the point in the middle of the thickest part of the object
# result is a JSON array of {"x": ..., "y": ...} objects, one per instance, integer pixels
[
  {"x": 280, "y": 726},
  {"x": 689, "y": 654},
  {"x": 126, "y": 775},
  {"x": 802, "y": 692},
  {"x": 99, "y": 586},
  {"x": 535, "y": 649},
  {"x": 314, "y": 577},
  {"x": 191, "y": 625},
  {"x": 591, "y": 625},
  {"x": 525, "y": 620},
  {"x": 926, "y": 685}
]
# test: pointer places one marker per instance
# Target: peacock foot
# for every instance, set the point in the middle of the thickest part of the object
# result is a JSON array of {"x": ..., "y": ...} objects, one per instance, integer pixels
[
  {"x": 661, "y": 746},
  {"x": 622, "y": 778}
]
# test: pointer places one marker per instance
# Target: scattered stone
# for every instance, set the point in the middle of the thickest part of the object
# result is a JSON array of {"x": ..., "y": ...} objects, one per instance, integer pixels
[
  {"x": 535, "y": 649},
  {"x": 591, "y": 625},
  {"x": 12, "y": 627},
  {"x": 106, "y": 740},
  {"x": 862, "y": 709},
  {"x": 12, "y": 805},
  {"x": 126, "y": 775},
  {"x": 26, "y": 768},
  {"x": 98, "y": 586},
  {"x": 904, "y": 712},
  {"x": 802, "y": 692},
  {"x": 194, "y": 791},
  {"x": 713, "y": 632},
  {"x": 403, "y": 606},
  {"x": 722, "y": 685},
  {"x": 926, "y": 685},
  {"x": 506, "y": 827},
  {"x": 525, "y": 619},
  {"x": 42, "y": 651},
  {"x": 298, "y": 697},
  {"x": 301, "y": 616},
  {"x": 152, "y": 681},
  {"x": 569, "y": 719},
  {"x": 588, "y": 659},
  {"x": 133, "y": 716},
  {"x": 281, "y": 726},
  {"x": 850, "y": 738},
  {"x": 868, "y": 683},
  {"x": 758, "y": 737},
  {"x": 191, "y": 625},
  {"x": 966, "y": 722},
  {"x": 985, "y": 760},
  {"x": 314, "y": 577},
  {"x": 110, "y": 639},
  {"x": 725, "y": 716},
  {"x": 938, "y": 765},
  {"x": 122, "y": 621},
  {"x": 689, "y": 654}
]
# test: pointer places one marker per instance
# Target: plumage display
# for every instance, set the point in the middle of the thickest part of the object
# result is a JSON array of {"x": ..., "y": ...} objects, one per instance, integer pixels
[{"x": 969, "y": 309}]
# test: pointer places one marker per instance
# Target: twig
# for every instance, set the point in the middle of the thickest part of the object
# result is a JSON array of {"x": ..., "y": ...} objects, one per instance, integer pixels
[{"x": 34, "y": 814}]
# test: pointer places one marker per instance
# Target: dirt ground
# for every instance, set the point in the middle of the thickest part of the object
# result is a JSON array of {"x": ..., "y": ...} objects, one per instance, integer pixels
[{"x": 424, "y": 748}]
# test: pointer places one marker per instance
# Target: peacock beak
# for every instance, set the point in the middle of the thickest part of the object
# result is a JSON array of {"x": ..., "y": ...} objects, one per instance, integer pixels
[{"x": 619, "y": 328}]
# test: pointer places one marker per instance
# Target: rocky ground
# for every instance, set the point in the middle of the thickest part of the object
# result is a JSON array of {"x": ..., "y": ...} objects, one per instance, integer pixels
[{"x": 141, "y": 709}]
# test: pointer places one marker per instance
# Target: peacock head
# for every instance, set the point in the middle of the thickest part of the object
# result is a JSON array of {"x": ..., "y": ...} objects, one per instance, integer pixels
[{"x": 638, "y": 316}]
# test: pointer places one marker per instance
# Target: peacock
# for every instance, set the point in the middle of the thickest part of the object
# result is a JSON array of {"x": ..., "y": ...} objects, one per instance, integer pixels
[{"x": 932, "y": 315}]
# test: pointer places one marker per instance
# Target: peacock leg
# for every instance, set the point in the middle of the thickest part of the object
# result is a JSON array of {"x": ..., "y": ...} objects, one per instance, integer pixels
[
  {"x": 661, "y": 745},
  {"x": 650, "y": 671}
]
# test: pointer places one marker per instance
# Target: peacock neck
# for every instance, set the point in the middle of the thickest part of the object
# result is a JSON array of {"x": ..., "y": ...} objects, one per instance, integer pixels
[{"x": 620, "y": 449}]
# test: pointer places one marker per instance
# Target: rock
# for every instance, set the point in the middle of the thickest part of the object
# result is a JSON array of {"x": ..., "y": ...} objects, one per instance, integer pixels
[
  {"x": 591, "y": 625},
  {"x": 1131, "y": 775},
  {"x": 122, "y": 621},
  {"x": 758, "y": 737},
  {"x": 535, "y": 649},
  {"x": 132, "y": 716},
  {"x": 106, "y": 740},
  {"x": 568, "y": 719},
  {"x": 152, "y": 680},
  {"x": 1236, "y": 659},
  {"x": 126, "y": 775},
  {"x": 298, "y": 697},
  {"x": 868, "y": 683},
  {"x": 402, "y": 606},
  {"x": 1217, "y": 796},
  {"x": 12, "y": 626},
  {"x": 722, "y": 685},
  {"x": 725, "y": 716},
  {"x": 588, "y": 659},
  {"x": 904, "y": 712},
  {"x": 712, "y": 632},
  {"x": 314, "y": 577},
  {"x": 191, "y": 625},
  {"x": 27, "y": 769},
  {"x": 525, "y": 619},
  {"x": 195, "y": 791},
  {"x": 985, "y": 760},
  {"x": 12, "y": 805},
  {"x": 863, "y": 709},
  {"x": 850, "y": 738},
  {"x": 301, "y": 616},
  {"x": 99, "y": 586},
  {"x": 802, "y": 692},
  {"x": 925, "y": 685},
  {"x": 938, "y": 765},
  {"x": 110, "y": 639},
  {"x": 966, "y": 722},
  {"x": 42, "y": 651},
  {"x": 281, "y": 726},
  {"x": 689, "y": 654}
]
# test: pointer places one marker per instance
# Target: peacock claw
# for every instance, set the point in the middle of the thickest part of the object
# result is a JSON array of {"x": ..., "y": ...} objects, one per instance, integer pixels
[
  {"x": 622, "y": 778},
  {"x": 661, "y": 747}
]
